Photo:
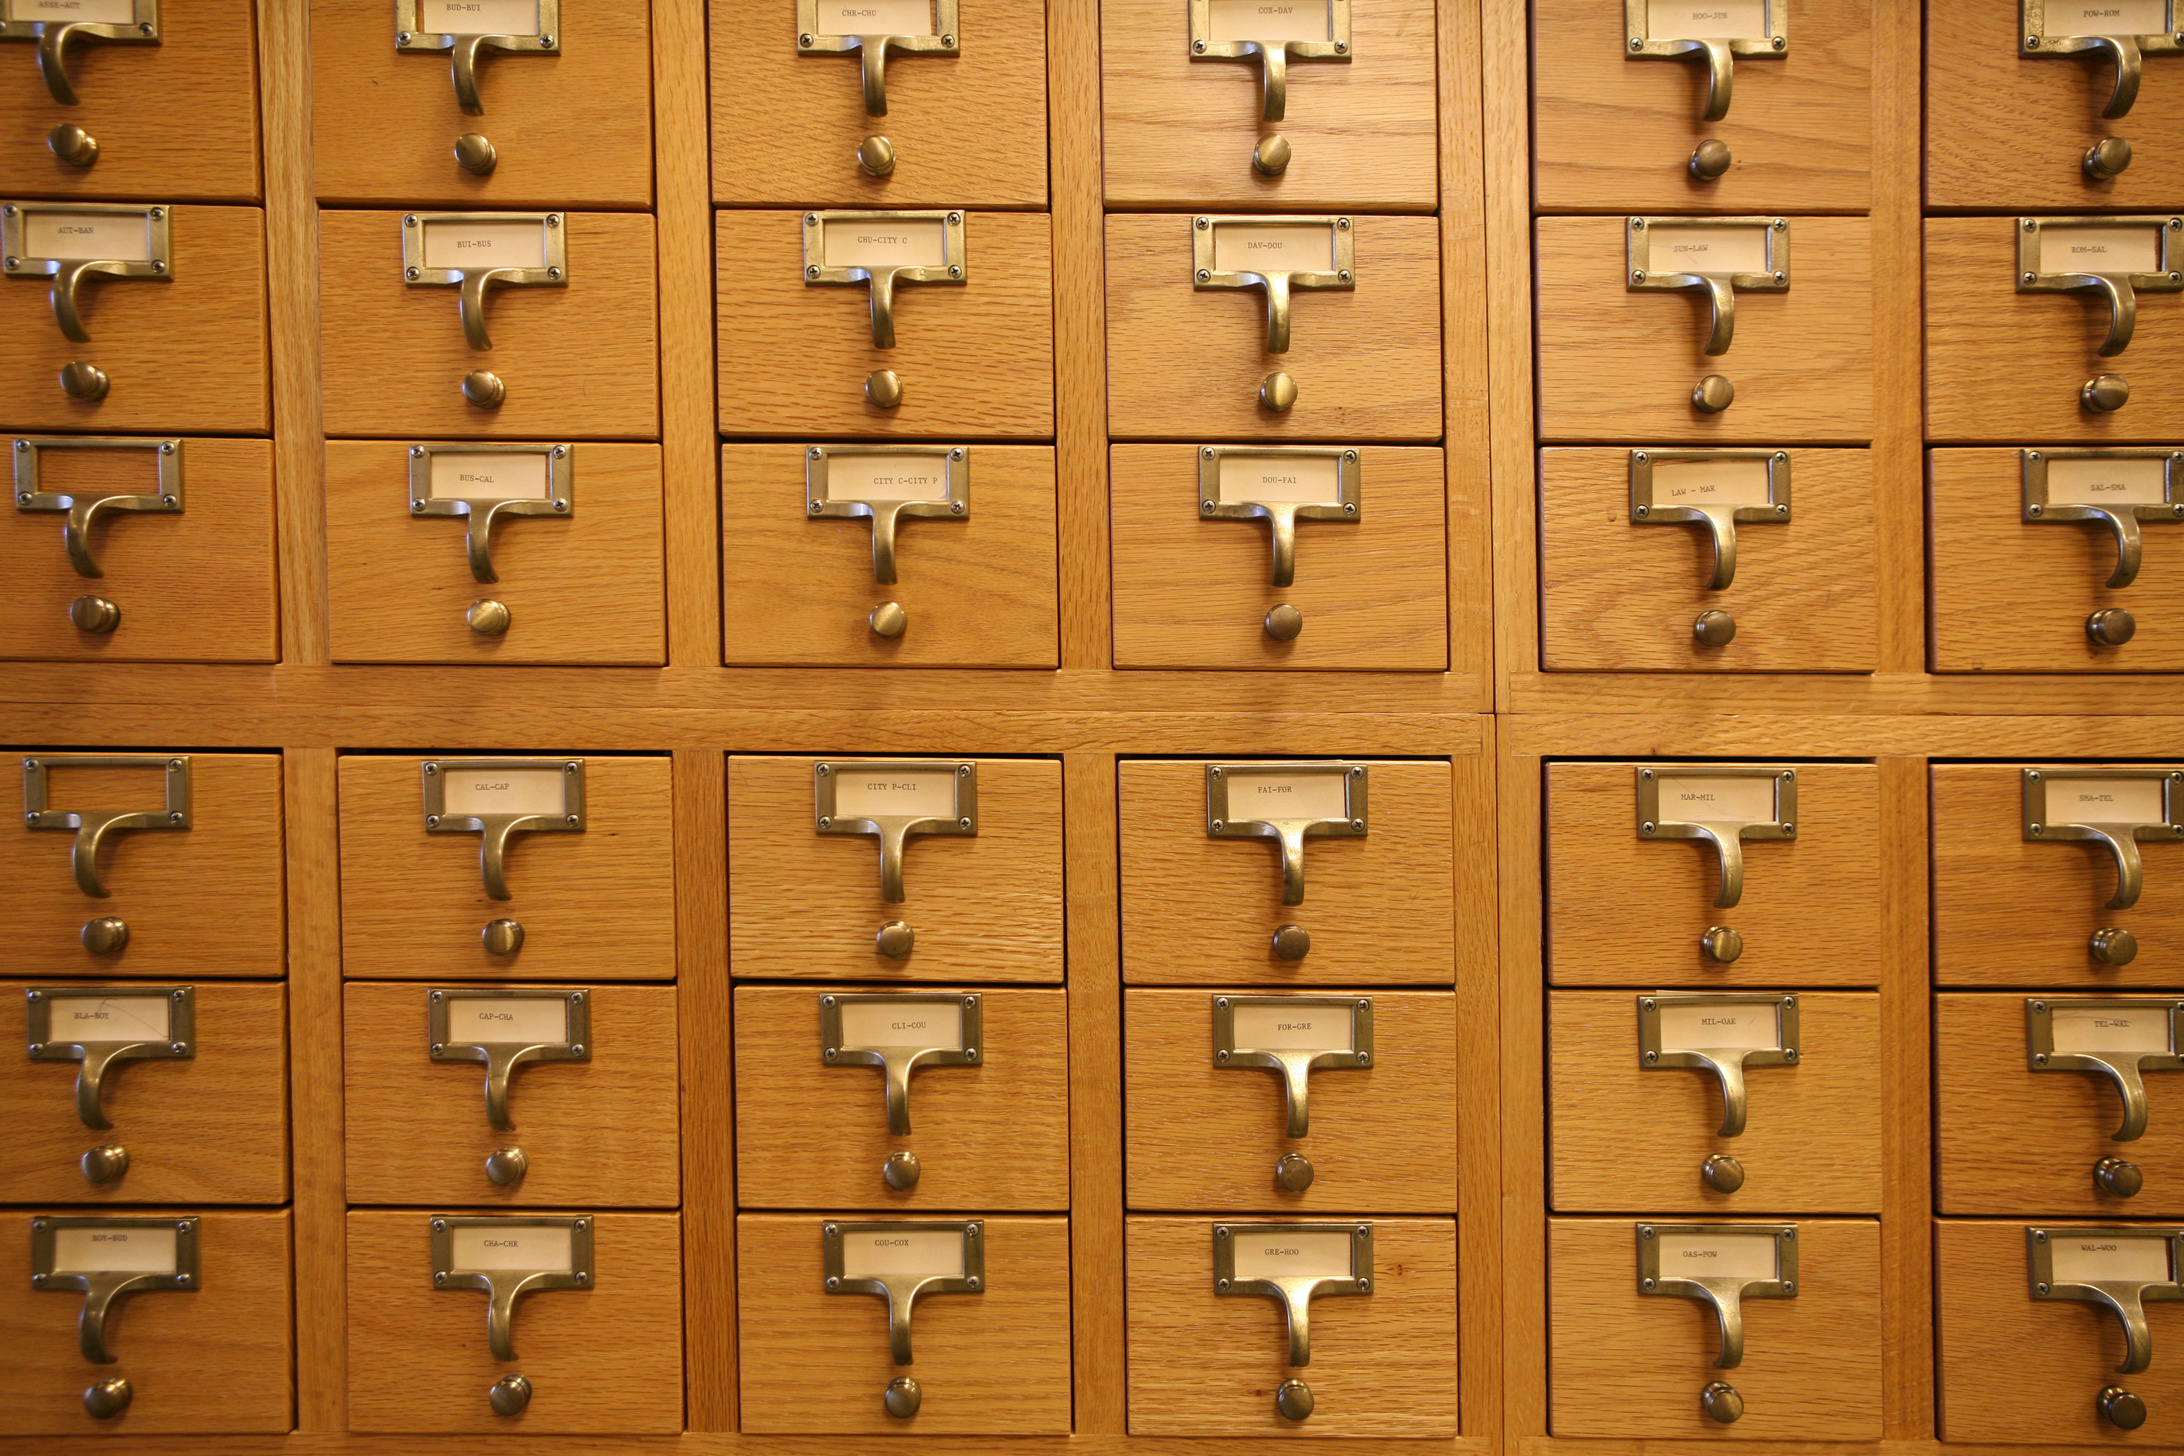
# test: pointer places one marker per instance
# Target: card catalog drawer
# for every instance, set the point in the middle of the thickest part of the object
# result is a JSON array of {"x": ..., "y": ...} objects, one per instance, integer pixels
[{"x": 587, "y": 901}]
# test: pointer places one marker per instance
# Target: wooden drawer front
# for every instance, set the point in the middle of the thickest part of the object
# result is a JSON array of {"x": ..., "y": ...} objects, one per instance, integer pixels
[
  {"x": 1623, "y": 909},
  {"x": 976, "y": 359},
  {"x": 1191, "y": 592},
  {"x": 2009, "y": 129},
  {"x": 1180, "y": 133},
  {"x": 1613, "y": 132},
  {"x": 1207, "y": 1137},
  {"x": 1629, "y": 1365},
  {"x": 2016, "y": 1369},
  {"x": 2012, "y": 1138},
  {"x": 814, "y": 1134},
  {"x": 193, "y": 586},
  {"x": 596, "y": 1131},
  {"x": 572, "y": 129},
  {"x": 1624, "y": 1133},
  {"x": 183, "y": 354},
  {"x": 1381, "y": 909},
  {"x": 199, "y": 902},
  {"x": 806, "y": 906},
  {"x": 1616, "y": 595},
  {"x": 2047, "y": 344},
  {"x": 2011, "y": 595},
  {"x": 603, "y": 1359},
  {"x": 595, "y": 905},
  {"x": 799, "y": 590},
  {"x": 990, "y": 1364},
  {"x": 579, "y": 359},
  {"x": 588, "y": 589},
  {"x": 968, "y": 130},
  {"x": 179, "y": 119},
  {"x": 1184, "y": 361},
  {"x": 1206, "y": 1364},
  {"x": 211, "y": 1128},
  {"x": 2013, "y": 912},
  {"x": 1622, "y": 362},
  {"x": 215, "y": 1360}
]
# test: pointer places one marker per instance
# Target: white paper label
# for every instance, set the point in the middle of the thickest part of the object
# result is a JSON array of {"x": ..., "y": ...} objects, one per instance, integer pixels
[
  {"x": 138, "y": 1249},
  {"x": 1706, "y": 19},
  {"x": 887, "y": 477},
  {"x": 1279, "y": 1253},
  {"x": 121, "y": 237},
  {"x": 2104, "y": 801},
  {"x": 1263, "y": 479},
  {"x": 478, "y": 17},
  {"x": 1271, "y": 20},
  {"x": 1299, "y": 1026},
  {"x": 904, "y": 1255},
  {"x": 1716, "y": 250},
  {"x": 2110, "y": 250},
  {"x": 2083, "y": 482},
  {"x": 1755, "y": 1026},
  {"x": 1717, "y": 1256},
  {"x": 1710, "y": 483},
  {"x": 1708, "y": 799},
  {"x": 76, "y": 12},
  {"x": 903, "y": 1022},
  {"x": 512, "y": 244},
  {"x": 2106, "y": 17},
  {"x": 471, "y": 791},
  {"x": 876, "y": 17},
  {"x": 2102, "y": 1030},
  {"x": 865, "y": 792},
  {"x": 1254, "y": 247},
  {"x": 1267, "y": 794},
  {"x": 522, "y": 1248},
  {"x": 109, "y": 1018},
  {"x": 2105, "y": 1258},
  {"x": 505, "y": 1020},
  {"x": 885, "y": 242},
  {"x": 489, "y": 477}
]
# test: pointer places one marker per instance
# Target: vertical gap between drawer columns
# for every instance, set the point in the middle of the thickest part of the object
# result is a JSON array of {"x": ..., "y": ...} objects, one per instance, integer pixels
[
  {"x": 1503, "y": 44},
  {"x": 1907, "y": 1274},
  {"x": 705, "y": 1031},
  {"x": 1465, "y": 370},
  {"x": 682, "y": 200},
  {"x": 1523, "y": 1185},
  {"x": 1075, "y": 190},
  {"x": 1480, "y": 1287},
  {"x": 1899, "y": 394},
  {"x": 318, "y": 1178},
  {"x": 1092, "y": 887}
]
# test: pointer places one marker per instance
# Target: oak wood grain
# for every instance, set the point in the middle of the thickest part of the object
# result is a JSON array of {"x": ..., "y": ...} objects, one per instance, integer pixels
[
  {"x": 990, "y": 1136},
  {"x": 705, "y": 1040},
  {"x": 1480, "y": 1271},
  {"x": 1099, "y": 1369},
  {"x": 587, "y": 588},
  {"x": 1075, "y": 135},
  {"x": 1194, "y": 593},
  {"x": 317, "y": 1131}
]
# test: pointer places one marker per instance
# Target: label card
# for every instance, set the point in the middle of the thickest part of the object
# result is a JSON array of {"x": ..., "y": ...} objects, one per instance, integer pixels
[
  {"x": 885, "y": 242},
  {"x": 1705, "y": 799},
  {"x": 1689, "y": 1027},
  {"x": 2103, "y": 1257},
  {"x": 1717, "y": 1256},
  {"x": 122, "y": 237},
  {"x": 508, "y": 1020},
  {"x": 902, "y": 1253},
  {"x": 1270, "y": 20},
  {"x": 109, "y": 1018},
  {"x": 1308, "y": 1025},
  {"x": 2105, "y": 1030},
  {"x": 1265, "y": 479},
  {"x": 2142, "y": 481},
  {"x": 511, "y": 476},
  {"x": 477, "y": 17},
  {"x": 2106, "y": 17},
  {"x": 470, "y": 791},
  {"x": 1694, "y": 483},
  {"x": 2110, "y": 250},
  {"x": 876, "y": 17},
  {"x": 518, "y": 1248},
  {"x": 1265, "y": 794},
  {"x": 1285, "y": 1253},
  {"x": 2104, "y": 801},
  {"x": 894, "y": 792},
  {"x": 1250, "y": 247},
  {"x": 903, "y": 1022},
  {"x": 75, "y": 12},
  {"x": 1706, "y": 19},
  {"x": 140, "y": 1248},
  {"x": 485, "y": 244},
  {"x": 887, "y": 477},
  {"x": 1716, "y": 250}
]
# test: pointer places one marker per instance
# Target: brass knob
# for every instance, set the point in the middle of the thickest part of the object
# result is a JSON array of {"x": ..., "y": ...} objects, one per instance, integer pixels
[
  {"x": 1292, "y": 942},
  {"x": 2105, "y": 393},
  {"x": 1721, "y": 1401},
  {"x": 1284, "y": 623},
  {"x": 2111, "y": 626},
  {"x": 2111, "y": 947},
  {"x": 884, "y": 388},
  {"x": 506, "y": 1166},
  {"x": 1271, "y": 156},
  {"x": 900, "y": 1171},
  {"x": 93, "y": 614},
  {"x": 1293, "y": 1399},
  {"x": 105, "y": 1163},
  {"x": 1709, "y": 159},
  {"x": 2119, "y": 1407},
  {"x": 487, "y": 617},
  {"x": 895, "y": 939},
  {"x": 483, "y": 388},
  {"x": 509, "y": 1395},
  {"x": 888, "y": 619},
  {"x": 1294, "y": 1172},
  {"x": 1278, "y": 392},
  {"x": 1714, "y": 628},
  {"x": 77, "y": 147},
  {"x": 2107, "y": 158},
  {"x": 108, "y": 1398},
  {"x": 1721, "y": 944},
  {"x": 503, "y": 936},
  {"x": 86, "y": 382},
  {"x": 1722, "y": 1173},
  {"x": 1713, "y": 394},
  {"x": 104, "y": 934},
  {"x": 902, "y": 1397},
  {"x": 2118, "y": 1178},
  {"x": 876, "y": 155},
  {"x": 473, "y": 153}
]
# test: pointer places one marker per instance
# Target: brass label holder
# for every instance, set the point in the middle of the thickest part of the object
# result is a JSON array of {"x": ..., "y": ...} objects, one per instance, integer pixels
[
  {"x": 903, "y": 1261},
  {"x": 2119, "y": 832},
  {"x": 1720, "y": 51},
  {"x": 1231, "y": 814},
  {"x": 84, "y": 508},
  {"x": 1724, "y": 827},
  {"x": 815, "y": 38},
  {"x": 2036, "y": 42},
  {"x": 64, "y": 1258},
  {"x": 1274, "y": 52},
  {"x": 92, "y": 826},
  {"x": 31, "y": 249},
  {"x": 2114, "y": 278},
  {"x": 2122, "y": 517},
  {"x": 467, "y": 1255},
  {"x": 1279, "y": 235},
  {"x": 467, "y": 814},
  {"x": 1281, "y": 513},
  {"x": 1721, "y": 281},
  {"x": 1293, "y": 1264},
  {"x": 2109, "y": 1267},
  {"x": 858, "y": 810},
  {"x": 411, "y": 37},
  {"x": 1682, "y": 1260},
  {"x": 899, "y": 1048},
  {"x": 1655, "y": 503},
  {"x": 480, "y": 510},
  {"x": 115, "y": 1029},
  {"x": 831, "y": 495},
  {"x": 1297, "y": 1048},
  {"x": 503, "y": 1057},
  {"x": 926, "y": 247},
  {"x": 1719, "y": 1043},
  {"x": 425, "y": 265},
  {"x": 53, "y": 37},
  {"x": 2090, "y": 1021}
]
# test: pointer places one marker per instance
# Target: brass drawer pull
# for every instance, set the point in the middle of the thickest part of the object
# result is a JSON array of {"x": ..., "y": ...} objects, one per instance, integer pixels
[
  {"x": 2120, "y": 1269},
  {"x": 506, "y": 1029},
  {"x": 1237, "y": 30},
  {"x": 1293, "y": 1264},
  {"x": 899, "y": 1034},
  {"x": 1276, "y": 254},
  {"x": 413, "y": 34},
  {"x": 892, "y": 799},
  {"x": 2117, "y": 257},
  {"x": 477, "y": 251},
  {"x": 1293, "y": 1036},
  {"x": 903, "y": 1261},
  {"x": 1720, "y": 1032},
  {"x": 92, "y": 826},
  {"x": 1716, "y": 489},
  {"x": 495, "y": 798},
  {"x": 1281, "y": 485},
  {"x": 107, "y": 1259},
  {"x": 1288, "y": 803},
  {"x": 1720, "y": 48},
  {"x": 940, "y": 36},
  {"x": 53, "y": 36},
  {"x": 1722, "y": 1264},
  {"x": 2126, "y": 52},
  {"x": 2112, "y": 807},
  {"x": 1723, "y": 805},
  {"x": 83, "y": 508},
  {"x": 2109, "y": 1036},
  {"x": 67, "y": 242},
  {"x": 509, "y": 1258},
  {"x": 483, "y": 483},
  {"x": 880, "y": 250},
  {"x": 98, "y": 1026},
  {"x": 1723, "y": 256},
  {"x": 884, "y": 484},
  {"x": 2117, "y": 488}
]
